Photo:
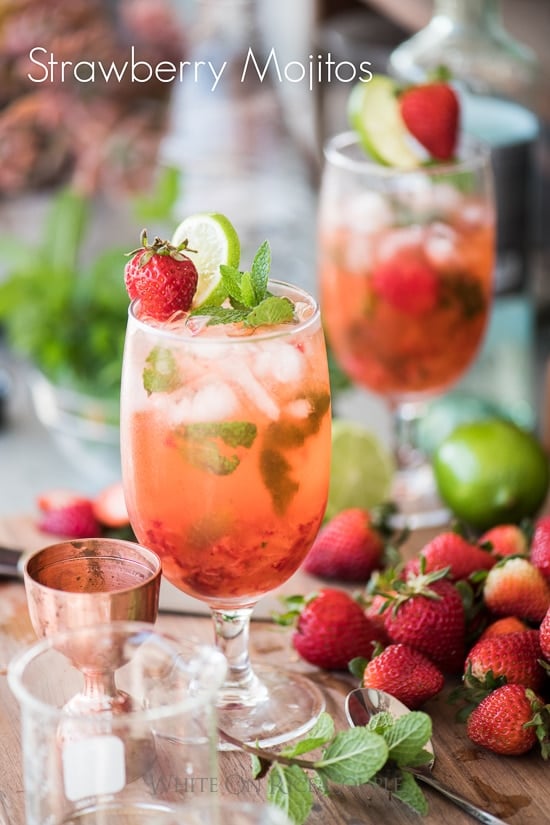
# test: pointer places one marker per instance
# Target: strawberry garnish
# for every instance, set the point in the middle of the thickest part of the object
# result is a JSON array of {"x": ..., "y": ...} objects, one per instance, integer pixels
[
  {"x": 431, "y": 113},
  {"x": 162, "y": 277},
  {"x": 408, "y": 285}
]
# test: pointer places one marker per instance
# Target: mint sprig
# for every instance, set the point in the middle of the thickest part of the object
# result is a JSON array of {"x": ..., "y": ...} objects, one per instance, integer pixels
[
  {"x": 203, "y": 444},
  {"x": 384, "y": 753},
  {"x": 249, "y": 299}
]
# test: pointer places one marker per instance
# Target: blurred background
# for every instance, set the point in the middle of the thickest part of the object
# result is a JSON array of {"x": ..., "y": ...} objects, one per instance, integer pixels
[{"x": 85, "y": 165}]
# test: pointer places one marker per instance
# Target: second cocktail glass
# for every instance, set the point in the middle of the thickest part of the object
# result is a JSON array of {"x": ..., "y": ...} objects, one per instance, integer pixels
[
  {"x": 225, "y": 436},
  {"x": 406, "y": 269}
]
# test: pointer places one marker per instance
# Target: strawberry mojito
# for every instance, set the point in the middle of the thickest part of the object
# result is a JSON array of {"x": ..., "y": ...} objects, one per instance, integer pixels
[
  {"x": 406, "y": 258},
  {"x": 226, "y": 433}
]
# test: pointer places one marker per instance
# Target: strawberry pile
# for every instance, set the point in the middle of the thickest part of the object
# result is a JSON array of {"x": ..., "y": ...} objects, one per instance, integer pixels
[
  {"x": 476, "y": 610},
  {"x": 69, "y": 514}
]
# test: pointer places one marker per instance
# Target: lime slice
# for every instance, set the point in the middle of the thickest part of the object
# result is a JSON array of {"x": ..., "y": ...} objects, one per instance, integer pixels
[
  {"x": 373, "y": 111},
  {"x": 361, "y": 469},
  {"x": 215, "y": 241}
]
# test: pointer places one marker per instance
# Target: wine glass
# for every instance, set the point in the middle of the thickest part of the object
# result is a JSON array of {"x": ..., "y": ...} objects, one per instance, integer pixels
[
  {"x": 225, "y": 441},
  {"x": 405, "y": 268},
  {"x": 87, "y": 582}
]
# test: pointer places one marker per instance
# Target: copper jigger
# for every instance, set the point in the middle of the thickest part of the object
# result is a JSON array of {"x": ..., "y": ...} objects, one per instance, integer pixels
[{"x": 79, "y": 584}]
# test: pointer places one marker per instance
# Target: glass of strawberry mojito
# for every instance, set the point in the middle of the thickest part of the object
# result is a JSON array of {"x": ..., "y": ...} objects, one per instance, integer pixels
[
  {"x": 225, "y": 422},
  {"x": 406, "y": 252}
]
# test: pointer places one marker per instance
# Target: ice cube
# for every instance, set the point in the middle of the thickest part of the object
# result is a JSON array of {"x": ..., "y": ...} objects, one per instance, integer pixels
[
  {"x": 212, "y": 402},
  {"x": 244, "y": 381},
  {"x": 299, "y": 408},
  {"x": 368, "y": 212},
  {"x": 441, "y": 246},
  {"x": 280, "y": 362},
  {"x": 358, "y": 257},
  {"x": 400, "y": 240}
]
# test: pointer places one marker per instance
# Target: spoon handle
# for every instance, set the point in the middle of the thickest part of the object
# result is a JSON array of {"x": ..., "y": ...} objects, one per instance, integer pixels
[{"x": 460, "y": 801}]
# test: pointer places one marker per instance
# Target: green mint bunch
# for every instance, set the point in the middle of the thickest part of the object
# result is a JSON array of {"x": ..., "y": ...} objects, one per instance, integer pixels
[
  {"x": 250, "y": 301},
  {"x": 382, "y": 753}
]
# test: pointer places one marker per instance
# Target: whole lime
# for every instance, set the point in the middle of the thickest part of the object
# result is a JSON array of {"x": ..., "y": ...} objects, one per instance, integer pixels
[{"x": 491, "y": 472}]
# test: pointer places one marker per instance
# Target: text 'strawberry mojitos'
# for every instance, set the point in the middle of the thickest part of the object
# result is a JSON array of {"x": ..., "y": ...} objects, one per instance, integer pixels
[
  {"x": 225, "y": 419},
  {"x": 406, "y": 255}
]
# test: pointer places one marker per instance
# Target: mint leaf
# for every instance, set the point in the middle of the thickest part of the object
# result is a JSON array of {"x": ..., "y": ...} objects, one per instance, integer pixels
[
  {"x": 231, "y": 280},
  {"x": 199, "y": 444},
  {"x": 247, "y": 292},
  {"x": 321, "y": 733},
  {"x": 409, "y": 793},
  {"x": 288, "y": 788},
  {"x": 232, "y": 433},
  {"x": 408, "y": 735},
  {"x": 248, "y": 295},
  {"x": 161, "y": 373},
  {"x": 275, "y": 471},
  {"x": 221, "y": 315},
  {"x": 261, "y": 266},
  {"x": 271, "y": 310},
  {"x": 353, "y": 757}
]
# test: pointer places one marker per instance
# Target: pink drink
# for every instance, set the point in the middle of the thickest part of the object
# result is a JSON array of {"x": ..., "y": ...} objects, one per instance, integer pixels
[{"x": 225, "y": 445}]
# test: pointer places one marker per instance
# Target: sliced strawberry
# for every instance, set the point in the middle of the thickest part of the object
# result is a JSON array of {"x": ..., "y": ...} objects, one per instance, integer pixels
[
  {"x": 109, "y": 506},
  {"x": 431, "y": 113},
  {"x": 407, "y": 284},
  {"x": 76, "y": 521}
]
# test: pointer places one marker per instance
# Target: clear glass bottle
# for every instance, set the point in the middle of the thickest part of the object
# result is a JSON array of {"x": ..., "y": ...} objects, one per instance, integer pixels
[{"x": 497, "y": 78}]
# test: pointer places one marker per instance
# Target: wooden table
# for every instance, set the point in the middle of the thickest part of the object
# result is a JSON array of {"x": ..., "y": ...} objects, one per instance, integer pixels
[{"x": 516, "y": 789}]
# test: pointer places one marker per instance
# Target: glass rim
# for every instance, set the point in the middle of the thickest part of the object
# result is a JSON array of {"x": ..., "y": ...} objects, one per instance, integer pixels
[
  {"x": 280, "y": 331},
  {"x": 28, "y": 699},
  {"x": 333, "y": 151}
]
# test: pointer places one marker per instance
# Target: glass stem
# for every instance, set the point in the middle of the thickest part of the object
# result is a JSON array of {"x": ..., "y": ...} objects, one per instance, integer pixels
[
  {"x": 232, "y": 630},
  {"x": 406, "y": 417}
]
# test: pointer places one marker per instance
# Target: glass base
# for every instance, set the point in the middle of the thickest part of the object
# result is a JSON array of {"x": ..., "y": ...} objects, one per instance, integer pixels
[
  {"x": 290, "y": 706},
  {"x": 415, "y": 493}
]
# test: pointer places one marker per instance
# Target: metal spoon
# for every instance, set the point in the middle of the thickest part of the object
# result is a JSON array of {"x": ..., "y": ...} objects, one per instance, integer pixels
[{"x": 363, "y": 703}]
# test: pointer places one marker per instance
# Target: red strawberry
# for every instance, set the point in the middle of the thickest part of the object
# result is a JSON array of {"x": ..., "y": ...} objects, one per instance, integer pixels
[
  {"x": 453, "y": 551},
  {"x": 428, "y": 615},
  {"x": 109, "y": 506},
  {"x": 348, "y": 548},
  {"x": 65, "y": 513},
  {"x": 409, "y": 285},
  {"x": 540, "y": 546},
  {"x": 515, "y": 587},
  {"x": 544, "y": 636},
  {"x": 506, "y": 540},
  {"x": 332, "y": 630},
  {"x": 502, "y": 722},
  {"x": 500, "y": 627},
  {"x": 431, "y": 113},
  {"x": 162, "y": 277},
  {"x": 514, "y": 656},
  {"x": 405, "y": 673}
]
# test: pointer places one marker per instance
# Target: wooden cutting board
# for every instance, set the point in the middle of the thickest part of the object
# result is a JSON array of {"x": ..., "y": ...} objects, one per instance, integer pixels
[{"x": 20, "y": 532}]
